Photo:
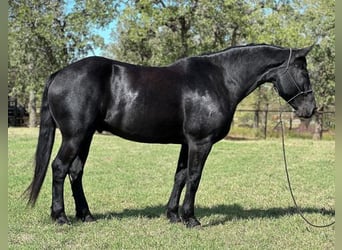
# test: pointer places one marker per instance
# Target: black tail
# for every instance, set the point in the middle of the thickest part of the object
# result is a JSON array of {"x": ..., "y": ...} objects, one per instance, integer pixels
[{"x": 45, "y": 143}]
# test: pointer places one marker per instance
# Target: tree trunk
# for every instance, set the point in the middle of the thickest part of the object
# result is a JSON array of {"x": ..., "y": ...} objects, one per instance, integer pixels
[
  {"x": 257, "y": 110},
  {"x": 185, "y": 26},
  {"x": 32, "y": 110},
  {"x": 318, "y": 133}
]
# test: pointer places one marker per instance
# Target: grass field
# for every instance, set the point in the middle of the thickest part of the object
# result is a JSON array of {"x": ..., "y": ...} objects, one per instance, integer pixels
[{"x": 243, "y": 201}]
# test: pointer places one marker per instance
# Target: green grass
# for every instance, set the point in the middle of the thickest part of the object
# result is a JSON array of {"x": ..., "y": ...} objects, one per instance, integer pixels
[{"x": 243, "y": 201}]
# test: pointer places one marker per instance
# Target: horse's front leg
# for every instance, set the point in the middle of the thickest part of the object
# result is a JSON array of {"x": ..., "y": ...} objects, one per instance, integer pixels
[{"x": 198, "y": 153}]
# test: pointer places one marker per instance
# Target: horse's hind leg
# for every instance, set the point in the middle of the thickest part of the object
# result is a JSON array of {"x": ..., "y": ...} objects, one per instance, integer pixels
[
  {"x": 179, "y": 183},
  {"x": 76, "y": 174},
  {"x": 60, "y": 168}
]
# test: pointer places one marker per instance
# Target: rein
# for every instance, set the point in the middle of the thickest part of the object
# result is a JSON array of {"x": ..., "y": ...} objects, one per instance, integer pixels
[{"x": 289, "y": 182}]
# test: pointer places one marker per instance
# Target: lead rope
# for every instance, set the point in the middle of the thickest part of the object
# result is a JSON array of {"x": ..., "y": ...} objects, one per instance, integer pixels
[{"x": 288, "y": 177}]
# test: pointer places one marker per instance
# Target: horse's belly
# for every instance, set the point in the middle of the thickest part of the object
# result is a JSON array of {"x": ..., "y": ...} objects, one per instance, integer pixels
[{"x": 150, "y": 127}]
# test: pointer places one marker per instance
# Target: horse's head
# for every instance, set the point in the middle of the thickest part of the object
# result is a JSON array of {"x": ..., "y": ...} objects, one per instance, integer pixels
[{"x": 293, "y": 83}]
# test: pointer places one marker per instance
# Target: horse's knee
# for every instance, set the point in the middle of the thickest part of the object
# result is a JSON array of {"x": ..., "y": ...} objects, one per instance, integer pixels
[
  {"x": 65, "y": 157},
  {"x": 59, "y": 170},
  {"x": 76, "y": 170}
]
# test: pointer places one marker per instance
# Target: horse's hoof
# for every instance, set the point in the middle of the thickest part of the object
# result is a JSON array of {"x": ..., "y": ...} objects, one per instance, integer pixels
[
  {"x": 89, "y": 218},
  {"x": 173, "y": 217},
  {"x": 62, "y": 220},
  {"x": 85, "y": 218},
  {"x": 191, "y": 223}
]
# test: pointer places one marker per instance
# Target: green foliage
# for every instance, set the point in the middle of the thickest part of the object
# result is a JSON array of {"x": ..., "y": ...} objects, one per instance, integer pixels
[
  {"x": 44, "y": 36},
  {"x": 243, "y": 201},
  {"x": 323, "y": 56},
  {"x": 160, "y": 32}
]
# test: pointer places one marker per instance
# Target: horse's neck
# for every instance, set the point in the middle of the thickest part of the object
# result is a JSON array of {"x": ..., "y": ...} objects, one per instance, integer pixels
[{"x": 246, "y": 69}]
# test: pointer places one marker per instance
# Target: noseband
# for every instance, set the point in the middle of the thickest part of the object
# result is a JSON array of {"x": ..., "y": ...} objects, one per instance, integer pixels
[{"x": 287, "y": 74}]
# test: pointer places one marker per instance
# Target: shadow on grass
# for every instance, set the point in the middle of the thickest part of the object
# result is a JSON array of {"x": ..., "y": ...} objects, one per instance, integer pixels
[{"x": 221, "y": 213}]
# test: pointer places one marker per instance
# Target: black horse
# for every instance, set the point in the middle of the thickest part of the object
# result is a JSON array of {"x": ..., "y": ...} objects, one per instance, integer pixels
[{"x": 191, "y": 102}]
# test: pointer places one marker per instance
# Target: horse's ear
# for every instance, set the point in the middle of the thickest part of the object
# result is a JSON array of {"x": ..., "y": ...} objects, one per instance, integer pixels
[{"x": 303, "y": 52}]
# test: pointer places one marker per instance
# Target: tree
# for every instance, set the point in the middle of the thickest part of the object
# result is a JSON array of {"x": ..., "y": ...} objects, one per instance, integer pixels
[
  {"x": 320, "y": 19},
  {"x": 44, "y": 36},
  {"x": 160, "y": 32}
]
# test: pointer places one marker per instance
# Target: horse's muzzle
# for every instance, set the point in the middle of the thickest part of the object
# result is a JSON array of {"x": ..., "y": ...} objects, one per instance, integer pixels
[{"x": 306, "y": 113}]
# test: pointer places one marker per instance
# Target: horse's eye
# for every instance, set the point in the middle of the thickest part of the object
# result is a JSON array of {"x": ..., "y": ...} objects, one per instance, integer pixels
[{"x": 299, "y": 66}]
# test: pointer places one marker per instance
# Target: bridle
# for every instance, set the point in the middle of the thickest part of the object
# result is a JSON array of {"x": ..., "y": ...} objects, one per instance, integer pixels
[{"x": 287, "y": 74}]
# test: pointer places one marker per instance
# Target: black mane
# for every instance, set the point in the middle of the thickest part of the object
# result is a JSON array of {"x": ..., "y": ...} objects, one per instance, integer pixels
[{"x": 239, "y": 46}]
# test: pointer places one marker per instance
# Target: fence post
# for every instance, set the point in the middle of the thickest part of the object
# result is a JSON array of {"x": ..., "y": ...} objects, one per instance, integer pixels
[
  {"x": 318, "y": 132},
  {"x": 265, "y": 128}
]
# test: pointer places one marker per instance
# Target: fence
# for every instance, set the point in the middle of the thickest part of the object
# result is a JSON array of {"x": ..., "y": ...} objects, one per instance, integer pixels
[
  {"x": 17, "y": 114},
  {"x": 265, "y": 123}
]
